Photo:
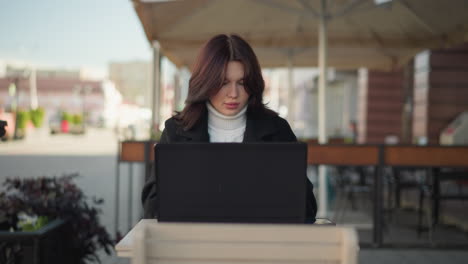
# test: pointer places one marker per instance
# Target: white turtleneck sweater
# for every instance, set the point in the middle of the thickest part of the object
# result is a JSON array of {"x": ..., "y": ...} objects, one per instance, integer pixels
[{"x": 223, "y": 128}]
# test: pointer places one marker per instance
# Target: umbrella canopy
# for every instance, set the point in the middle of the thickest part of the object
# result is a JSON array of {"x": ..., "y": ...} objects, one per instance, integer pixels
[{"x": 361, "y": 33}]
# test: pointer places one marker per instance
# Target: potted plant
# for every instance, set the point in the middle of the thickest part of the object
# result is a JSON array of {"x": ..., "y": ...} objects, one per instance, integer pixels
[
  {"x": 78, "y": 126},
  {"x": 30, "y": 205},
  {"x": 22, "y": 119},
  {"x": 37, "y": 117},
  {"x": 65, "y": 122}
]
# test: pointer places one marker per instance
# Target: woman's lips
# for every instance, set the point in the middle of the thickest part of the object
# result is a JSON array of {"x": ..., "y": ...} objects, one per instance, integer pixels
[{"x": 231, "y": 105}]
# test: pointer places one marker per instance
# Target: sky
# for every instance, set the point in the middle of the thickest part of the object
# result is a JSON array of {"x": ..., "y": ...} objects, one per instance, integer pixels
[{"x": 71, "y": 33}]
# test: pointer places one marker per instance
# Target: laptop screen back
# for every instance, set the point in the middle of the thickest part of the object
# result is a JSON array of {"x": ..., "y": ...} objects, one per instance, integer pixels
[{"x": 231, "y": 182}]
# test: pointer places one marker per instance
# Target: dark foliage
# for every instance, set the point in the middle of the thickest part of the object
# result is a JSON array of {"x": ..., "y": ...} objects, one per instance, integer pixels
[
  {"x": 10, "y": 253},
  {"x": 57, "y": 197}
]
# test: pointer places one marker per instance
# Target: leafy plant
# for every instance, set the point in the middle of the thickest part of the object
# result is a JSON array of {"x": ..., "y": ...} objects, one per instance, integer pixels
[
  {"x": 77, "y": 119},
  {"x": 66, "y": 117},
  {"x": 37, "y": 116},
  {"x": 56, "y": 197},
  {"x": 22, "y": 119},
  {"x": 33, "y": 224}
]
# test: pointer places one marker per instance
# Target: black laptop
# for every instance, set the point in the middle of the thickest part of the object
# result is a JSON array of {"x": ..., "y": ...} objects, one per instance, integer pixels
[{"x": 231, "y": 182}]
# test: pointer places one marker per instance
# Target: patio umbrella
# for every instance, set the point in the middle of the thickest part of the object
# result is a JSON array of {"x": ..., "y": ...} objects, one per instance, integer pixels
[
  {"x": 361, "y": 33},
  {"x": 345, "y": 34}
]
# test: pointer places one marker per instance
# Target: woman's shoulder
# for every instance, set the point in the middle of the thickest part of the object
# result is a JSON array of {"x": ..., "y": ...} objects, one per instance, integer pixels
[
  {"x": 262, "y": 113},
  {"x": 281, "y": 123},
  {"x": 169, "y": 134},
  {"x": 171, "y": 123},
  {"x": 270, "y": 116},
  {"x": 284, "y": 129},
  {"x": 271, "y": 123}
]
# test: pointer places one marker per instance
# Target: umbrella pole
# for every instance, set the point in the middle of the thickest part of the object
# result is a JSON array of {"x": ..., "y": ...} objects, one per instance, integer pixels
[
  {"x": 291, "y": 92},
  {"x": 322, "y": 133},
  {"x": 156, "y": 89}
]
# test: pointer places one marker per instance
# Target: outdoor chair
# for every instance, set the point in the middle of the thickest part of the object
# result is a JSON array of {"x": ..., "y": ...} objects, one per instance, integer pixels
[
  {"x": 353, "y": 187},
  {"x": 403, "y": 180},
  {"x": 454, "y": 181}
]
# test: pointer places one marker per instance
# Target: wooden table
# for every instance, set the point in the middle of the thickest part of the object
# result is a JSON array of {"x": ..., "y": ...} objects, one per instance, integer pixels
[{"x": 125, "y": 246}]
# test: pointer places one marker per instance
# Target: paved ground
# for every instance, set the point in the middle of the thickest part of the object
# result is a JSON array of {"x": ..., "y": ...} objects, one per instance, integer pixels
[
  {"x": 39, "y": 142},
  {"x": 412, "y": 256},
  {"x": 94, "y": 156}
]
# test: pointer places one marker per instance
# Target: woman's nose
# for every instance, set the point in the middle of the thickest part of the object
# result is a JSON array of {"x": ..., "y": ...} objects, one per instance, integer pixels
[{"x": 233, "y": 93}]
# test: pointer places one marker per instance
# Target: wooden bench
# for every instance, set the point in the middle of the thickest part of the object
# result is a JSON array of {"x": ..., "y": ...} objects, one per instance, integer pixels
[{"x": 197, "y": 243}]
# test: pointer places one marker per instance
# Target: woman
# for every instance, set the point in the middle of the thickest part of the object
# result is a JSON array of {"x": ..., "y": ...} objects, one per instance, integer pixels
[{"x": 225, "y": 104}]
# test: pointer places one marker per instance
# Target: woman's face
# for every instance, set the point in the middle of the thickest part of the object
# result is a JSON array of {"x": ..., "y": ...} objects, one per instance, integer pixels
[{"x": 232, "y": 97}]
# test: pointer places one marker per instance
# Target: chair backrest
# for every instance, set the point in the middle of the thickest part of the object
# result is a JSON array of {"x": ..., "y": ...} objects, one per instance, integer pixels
[{"x": 243, "y": 243}]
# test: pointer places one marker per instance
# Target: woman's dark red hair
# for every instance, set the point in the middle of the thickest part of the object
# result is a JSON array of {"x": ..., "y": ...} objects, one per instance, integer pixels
[{"x": 209, "y": 72}]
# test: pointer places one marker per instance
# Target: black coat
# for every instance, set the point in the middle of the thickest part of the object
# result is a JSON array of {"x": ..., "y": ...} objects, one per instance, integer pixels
[{"x": 259, "y": 128}]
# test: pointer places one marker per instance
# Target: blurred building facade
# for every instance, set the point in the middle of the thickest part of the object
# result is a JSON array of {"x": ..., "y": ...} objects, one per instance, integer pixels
[
  {"x": 341, "y": 101},
  {"x": 414, "y": 103},
  {"x": 45, "y": 73},
  {"x": 440, "y": 91},
  {"x": 380, "y": 105},
  {"x": 133, "y": 80},
  {"x": 59, "y": 91}
]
